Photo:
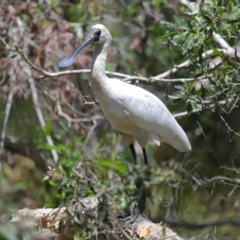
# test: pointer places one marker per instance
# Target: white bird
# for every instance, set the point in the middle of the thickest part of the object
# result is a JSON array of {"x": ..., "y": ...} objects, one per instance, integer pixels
[{"x": 133, "y": 111}]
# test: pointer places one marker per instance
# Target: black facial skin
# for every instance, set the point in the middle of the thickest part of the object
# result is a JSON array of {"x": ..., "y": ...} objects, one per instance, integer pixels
[{"x": 97, "y": 33}]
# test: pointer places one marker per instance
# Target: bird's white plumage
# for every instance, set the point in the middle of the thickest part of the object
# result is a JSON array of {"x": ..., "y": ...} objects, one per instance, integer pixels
[
  {"x": 133, "y": 111},
  {"x": 136, "y": 112}
]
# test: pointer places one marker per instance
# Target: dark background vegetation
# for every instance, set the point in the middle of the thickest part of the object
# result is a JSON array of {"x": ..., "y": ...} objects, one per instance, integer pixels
[{"x": 149, "y": 38}]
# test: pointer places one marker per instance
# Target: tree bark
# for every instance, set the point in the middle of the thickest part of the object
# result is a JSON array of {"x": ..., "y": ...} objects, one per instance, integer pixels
[{"x": 57, "y": 222}]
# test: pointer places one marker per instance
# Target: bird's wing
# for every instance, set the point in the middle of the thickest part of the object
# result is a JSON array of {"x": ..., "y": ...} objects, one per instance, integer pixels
[{"x": 149, "y": 113}]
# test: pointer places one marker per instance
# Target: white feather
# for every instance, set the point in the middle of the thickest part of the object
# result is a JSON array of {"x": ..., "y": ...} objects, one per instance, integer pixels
[{"x": 133, "y": 111}]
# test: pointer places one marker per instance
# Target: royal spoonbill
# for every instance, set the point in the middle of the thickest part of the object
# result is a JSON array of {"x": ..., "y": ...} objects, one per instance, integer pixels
[{"x": 133, "y": 111}]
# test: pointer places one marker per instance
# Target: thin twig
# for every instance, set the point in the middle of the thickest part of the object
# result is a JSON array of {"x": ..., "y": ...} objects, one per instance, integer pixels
[
  {"x": 7, "y": 113},
  {"x": 170, "y": 52},
  {"x": 40, "y": 116},
  {"x": 125, "y": 234},
  {"x": 160, "y": 77},
  {"x": 187, "y": 63},
  {"x": 190, "y": 225},
  {"x": 232, "y": 191},
  {"x": 221, "y": 179},
  {"x": 234, "y": 104},
  {"x": 90, "y": 89},
  {"x": 202, "y": 130},
  {"x": 74, "y": 120},
  {"x": 90, "y": 132},
  {"x": 226, "y": 124},
  {"x": 79, "y": 93}
]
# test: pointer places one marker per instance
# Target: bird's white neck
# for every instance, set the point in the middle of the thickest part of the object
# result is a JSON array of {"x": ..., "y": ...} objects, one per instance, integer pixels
[{"x": 99, "y": 62}]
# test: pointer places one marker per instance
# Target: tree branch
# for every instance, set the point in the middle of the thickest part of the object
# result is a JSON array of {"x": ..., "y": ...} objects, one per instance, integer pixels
[
  {"x": 34, "y": 95},
  {"x": 40, "y": 115},
  {"x": 60, "y": 220},
  {"x": 4, "y": 128},
  {"x": 229, "y": 51},
  {"x": 38, "y": 110},
  {"x": 226, "y": 124},
  {"x": 221, "y": 179},
  {"x": 161, "y": 77},
  {"x": 188, "y": 225},
  {"x": 73, "y": 120}
]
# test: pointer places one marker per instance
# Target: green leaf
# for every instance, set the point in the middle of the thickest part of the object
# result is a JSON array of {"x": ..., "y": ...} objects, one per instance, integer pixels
[
  {"x": 48, "y": 127},
  {"x": 179, "y": 87},
  {"x": 58, "y": 148},
  {"x": 177, "y": 101},
  {"x": 62, "y": 183},
  {"x": 16, "y": 48},
  {"x": 219, "y": 10},
  {"x": 235, "y": 15},
  {"x": 117, "y": 165},
  {"x": 229, "y": 6},
  {"x": 9, "y": 233},
  {"x": 169, "y": 34},
  {"x": 167, "y": 24}
]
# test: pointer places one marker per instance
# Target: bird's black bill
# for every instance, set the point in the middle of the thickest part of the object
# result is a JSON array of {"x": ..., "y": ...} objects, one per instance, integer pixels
[{"x": 67, "y": 61}]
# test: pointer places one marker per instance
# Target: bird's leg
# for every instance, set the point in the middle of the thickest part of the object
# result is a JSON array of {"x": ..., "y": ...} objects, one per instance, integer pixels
[
  {"x": 131, "y": 146},
  {"x": 145, "y": 156}
]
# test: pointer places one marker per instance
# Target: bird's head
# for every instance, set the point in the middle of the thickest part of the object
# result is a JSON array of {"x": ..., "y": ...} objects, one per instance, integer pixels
[
  {"x": 98, "y": 34},
  {"x": 103, "y": 33}
]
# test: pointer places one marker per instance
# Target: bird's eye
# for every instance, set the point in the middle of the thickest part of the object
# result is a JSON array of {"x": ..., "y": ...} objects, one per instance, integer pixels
[{"x": 98, "y": 32}]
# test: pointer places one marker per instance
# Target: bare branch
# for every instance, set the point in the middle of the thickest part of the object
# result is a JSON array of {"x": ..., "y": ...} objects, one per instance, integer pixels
[
  {"x": 187, "y": 63},
  {"x": 90, "y": 132},
  {"x": 40, "y": 115},
  {"x": 73, "y": 120},
  {"x": 38, "y": 109},
  {"x": 233, "y": 190},
  {"x": 190, "y": 225},
  {"x": 161, "y": 77},
  {"x": 85, "y": 101},
  {"x": 90, "y": 89},
  {"x": 4, "y": 128},
  {"x": 226, "y": 124},
  {"x": 218, "y": 39},
  {"x": 170, "y": 52},
  {"x": 229, "y": 51},
  {"x": 220, "y": 179},
  {"x": 234, "y": 104}
]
